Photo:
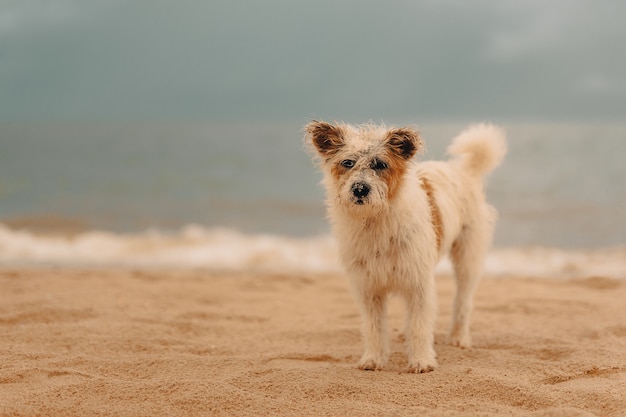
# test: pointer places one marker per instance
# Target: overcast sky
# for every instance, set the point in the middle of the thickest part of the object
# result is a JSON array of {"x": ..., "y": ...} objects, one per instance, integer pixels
[{"x": 284, "y": 60}]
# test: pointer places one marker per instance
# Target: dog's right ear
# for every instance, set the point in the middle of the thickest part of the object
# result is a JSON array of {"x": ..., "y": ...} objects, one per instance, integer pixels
[
  {"x": 404, "y": 141},
  {"x": 328, "y": 139}
]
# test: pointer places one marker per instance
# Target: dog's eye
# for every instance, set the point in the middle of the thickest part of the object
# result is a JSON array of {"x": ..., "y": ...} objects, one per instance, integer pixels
[
  {"x": 378, "y": 165},
  {"x": 347, "y": 163}
]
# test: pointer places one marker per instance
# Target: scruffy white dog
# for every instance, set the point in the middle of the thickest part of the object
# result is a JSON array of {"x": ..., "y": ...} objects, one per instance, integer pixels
[{"x": 394, "y": 218}]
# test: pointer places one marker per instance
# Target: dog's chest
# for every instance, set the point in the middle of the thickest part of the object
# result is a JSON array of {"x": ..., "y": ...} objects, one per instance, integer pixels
[{"x": 382, "y": 252}]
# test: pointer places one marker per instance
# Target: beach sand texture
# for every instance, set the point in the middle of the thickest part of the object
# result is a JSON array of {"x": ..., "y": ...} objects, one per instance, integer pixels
[{"x": 142, "y": 342}]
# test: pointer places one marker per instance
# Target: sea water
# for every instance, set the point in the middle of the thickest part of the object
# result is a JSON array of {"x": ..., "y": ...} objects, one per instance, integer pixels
[{"x": 246, "y": 195}]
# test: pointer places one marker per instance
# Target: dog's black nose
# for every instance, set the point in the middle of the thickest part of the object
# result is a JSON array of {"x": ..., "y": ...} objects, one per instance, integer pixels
[{"x": 360, "y": 189}]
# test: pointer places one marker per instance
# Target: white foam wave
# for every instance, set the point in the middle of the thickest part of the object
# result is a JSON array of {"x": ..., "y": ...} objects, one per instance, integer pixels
[
  {"x": 192, "y": 246},
  {"x": 228, "y": 250}
]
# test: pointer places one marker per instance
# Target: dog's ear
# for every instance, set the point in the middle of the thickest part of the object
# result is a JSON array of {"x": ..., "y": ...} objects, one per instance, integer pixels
[
  {"x": 327, "y": 139},
  {"x": 404, "y": 141}
]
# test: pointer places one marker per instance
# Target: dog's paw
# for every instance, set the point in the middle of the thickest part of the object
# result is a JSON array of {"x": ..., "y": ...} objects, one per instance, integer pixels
[
  {"x": 460, "y": 340},
  {"x": 422, "y": 367},
  {"x": 369, "y": 364}
]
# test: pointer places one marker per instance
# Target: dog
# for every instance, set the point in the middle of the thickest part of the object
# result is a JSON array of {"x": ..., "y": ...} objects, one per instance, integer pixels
[{"x": 394, "y": 218}]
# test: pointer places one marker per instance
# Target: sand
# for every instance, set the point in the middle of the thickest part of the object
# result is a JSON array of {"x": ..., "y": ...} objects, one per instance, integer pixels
[{"x": 129, "y": 342}]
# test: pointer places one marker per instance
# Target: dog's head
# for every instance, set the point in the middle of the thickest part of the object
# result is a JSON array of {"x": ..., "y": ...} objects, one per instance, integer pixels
[{"x": 363, "y": 166}]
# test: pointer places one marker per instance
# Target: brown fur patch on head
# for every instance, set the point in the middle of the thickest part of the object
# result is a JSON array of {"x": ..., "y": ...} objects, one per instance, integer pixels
[
  {"x": 394, "y": 174},
  {"x": 328, "y": 139},
  {"x": 337, "y": 171},
  {"x": 434, "y": 210},
  {"x": 404, "y": 141},
  {"x": 402, "y": 144}
]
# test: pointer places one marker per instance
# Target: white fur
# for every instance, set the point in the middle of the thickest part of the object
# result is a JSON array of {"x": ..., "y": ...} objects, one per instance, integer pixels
[{"x": 389, "y": 245}]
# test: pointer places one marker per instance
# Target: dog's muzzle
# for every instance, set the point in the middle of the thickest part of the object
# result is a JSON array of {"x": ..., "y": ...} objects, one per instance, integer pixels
[{"x": 360, "y": 190}]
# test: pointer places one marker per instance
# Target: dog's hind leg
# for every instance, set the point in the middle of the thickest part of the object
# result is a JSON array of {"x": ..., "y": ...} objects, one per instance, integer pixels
[{"x": 468, "y": 255}]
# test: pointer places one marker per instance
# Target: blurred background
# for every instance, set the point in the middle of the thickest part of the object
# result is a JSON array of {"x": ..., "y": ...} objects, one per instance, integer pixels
[{"x": 133, "y": 115}]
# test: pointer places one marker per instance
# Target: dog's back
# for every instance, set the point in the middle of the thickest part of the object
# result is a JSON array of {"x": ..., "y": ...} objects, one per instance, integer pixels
[{"x": 457, "y": 184}]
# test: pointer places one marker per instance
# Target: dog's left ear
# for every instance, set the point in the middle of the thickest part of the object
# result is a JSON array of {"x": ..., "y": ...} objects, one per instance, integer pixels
[
  {"x": 328, "y": 139},
  {"x": 404, "y": 141}
]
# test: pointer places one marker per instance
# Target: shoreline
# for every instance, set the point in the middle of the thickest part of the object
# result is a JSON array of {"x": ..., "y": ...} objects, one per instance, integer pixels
[{"x": 226, "y": 250}]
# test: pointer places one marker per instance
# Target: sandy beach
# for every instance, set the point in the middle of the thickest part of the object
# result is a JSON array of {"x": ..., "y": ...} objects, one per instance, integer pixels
[{"x": 139, "y": 342}]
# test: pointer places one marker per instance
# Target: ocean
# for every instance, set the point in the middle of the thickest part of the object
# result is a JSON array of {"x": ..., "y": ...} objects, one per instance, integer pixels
[{"x": 235, "y": 195}]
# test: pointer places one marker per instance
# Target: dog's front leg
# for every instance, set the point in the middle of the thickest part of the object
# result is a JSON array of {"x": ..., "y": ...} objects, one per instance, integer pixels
[
  {"x": 373, "y": 312},
  {"x": 421, "y": 303}
]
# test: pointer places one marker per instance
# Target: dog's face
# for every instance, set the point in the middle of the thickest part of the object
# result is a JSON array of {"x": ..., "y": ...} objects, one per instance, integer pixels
[{"x": 364, "y": 166}]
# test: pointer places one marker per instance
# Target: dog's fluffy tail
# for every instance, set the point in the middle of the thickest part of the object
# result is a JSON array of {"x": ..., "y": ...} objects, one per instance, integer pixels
[{"x": 479, "y": 148}]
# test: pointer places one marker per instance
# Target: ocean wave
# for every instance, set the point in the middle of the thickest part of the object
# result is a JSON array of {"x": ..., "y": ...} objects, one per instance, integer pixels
[
  {"x": 191, "y": 246},
  {"x": 228, "y": 250}
]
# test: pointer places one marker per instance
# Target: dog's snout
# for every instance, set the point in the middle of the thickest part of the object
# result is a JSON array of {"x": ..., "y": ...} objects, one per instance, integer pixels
[{"x": 360, "y": 189}]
